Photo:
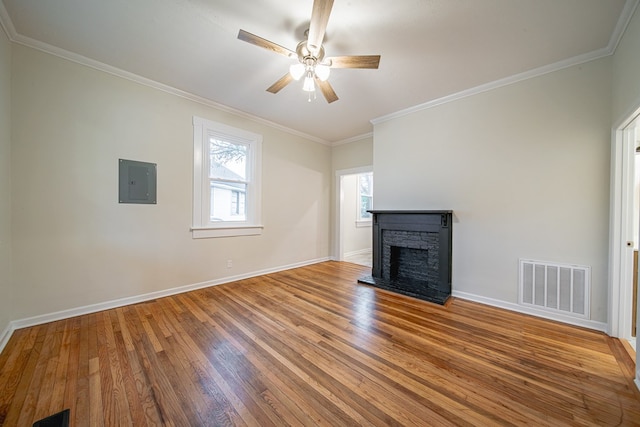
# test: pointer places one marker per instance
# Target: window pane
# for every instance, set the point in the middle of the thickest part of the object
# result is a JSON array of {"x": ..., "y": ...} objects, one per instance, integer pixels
[
  {"x": 365, "y": 192},
  {"x": 365, "y": 205},
  {"x": 227, "y": 160},
  {"x": 366, "y": 184},
  {"x": 228, "y": 201}
]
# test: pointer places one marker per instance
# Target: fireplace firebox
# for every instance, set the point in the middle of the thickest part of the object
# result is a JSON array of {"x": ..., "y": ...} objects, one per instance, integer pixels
[{"x": 412, "y": 253}]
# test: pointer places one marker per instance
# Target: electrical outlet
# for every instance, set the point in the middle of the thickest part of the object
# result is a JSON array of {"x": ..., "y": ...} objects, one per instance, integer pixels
[{"x": 229, "y": 263}]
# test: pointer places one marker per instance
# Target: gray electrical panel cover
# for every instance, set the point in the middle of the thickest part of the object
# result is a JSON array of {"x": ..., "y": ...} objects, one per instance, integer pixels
[{"x": 137, "y": 182}]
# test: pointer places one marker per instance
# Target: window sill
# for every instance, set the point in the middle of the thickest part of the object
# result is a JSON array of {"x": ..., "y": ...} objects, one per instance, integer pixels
[
  {"x": 366, "y": 223},
  {"x": 226, "y": 231}
]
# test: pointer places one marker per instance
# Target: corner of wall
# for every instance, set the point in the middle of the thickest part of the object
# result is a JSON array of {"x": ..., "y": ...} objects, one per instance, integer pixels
[{"x": 6, "y": 278}]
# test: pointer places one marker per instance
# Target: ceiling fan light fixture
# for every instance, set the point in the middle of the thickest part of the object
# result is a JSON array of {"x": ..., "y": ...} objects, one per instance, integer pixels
[
  {"x": 312, "y": 64},
  {"x": 297, "y": 71},
  {"x": 309, "y": 85},
  {"x": 322, "y": 72}
]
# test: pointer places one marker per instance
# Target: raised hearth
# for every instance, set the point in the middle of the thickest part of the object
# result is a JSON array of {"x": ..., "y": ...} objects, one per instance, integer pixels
[{"x": 412, "y": 253}]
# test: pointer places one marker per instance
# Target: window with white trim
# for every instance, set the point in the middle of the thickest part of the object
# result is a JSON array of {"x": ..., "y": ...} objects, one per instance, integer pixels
[
  {"x": 226, "y": 180},
  {"x": 365, "y": 198}
]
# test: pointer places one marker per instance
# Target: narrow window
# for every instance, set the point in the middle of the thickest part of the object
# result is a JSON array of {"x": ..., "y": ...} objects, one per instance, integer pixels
[
  {"x": 365, "y": 198},
  {"x": 226, "y": 179}
]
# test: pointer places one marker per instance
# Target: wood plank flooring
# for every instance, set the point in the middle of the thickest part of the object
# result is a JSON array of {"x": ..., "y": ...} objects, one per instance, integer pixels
[{"x": 311, "y": 346}]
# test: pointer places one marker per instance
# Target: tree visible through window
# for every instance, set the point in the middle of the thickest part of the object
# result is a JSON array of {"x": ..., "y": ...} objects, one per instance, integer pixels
[
  {"x": 365, "y": 196},
  {"x": 226, "y": 180}
]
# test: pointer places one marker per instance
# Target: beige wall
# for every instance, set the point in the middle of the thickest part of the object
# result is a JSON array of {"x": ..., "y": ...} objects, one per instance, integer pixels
[
  {"x": 353, "y": 155},
  {"x": 6, "y": 294},
  {"x": 626, "y": 72},
  {"x": 75, "y": 245},
  {"x": 525, "y": 168}
]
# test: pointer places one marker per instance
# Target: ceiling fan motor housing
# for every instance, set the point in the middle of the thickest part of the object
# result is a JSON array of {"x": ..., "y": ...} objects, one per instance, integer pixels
[
  {"x": 310, "y": 53},
  {"x": 305, "y": 55}
]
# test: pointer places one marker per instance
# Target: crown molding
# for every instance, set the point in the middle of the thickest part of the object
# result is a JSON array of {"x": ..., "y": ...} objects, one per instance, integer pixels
[
  {"x": 625, "y": 17},
  {"x": 536, "y": 72},
  {"x": 7, "y": 25},
  {"x": 623, "y": 22},
  {"x": 352, "y": 139}
]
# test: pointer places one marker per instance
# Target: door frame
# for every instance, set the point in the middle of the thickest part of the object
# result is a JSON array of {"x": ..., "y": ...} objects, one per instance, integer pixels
[
  {"x": 621, "y": 230},
  {"x": 338, "y": 249}
]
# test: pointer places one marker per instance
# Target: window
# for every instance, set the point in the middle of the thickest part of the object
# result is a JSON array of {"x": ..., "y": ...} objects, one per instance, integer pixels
[
  {"x": 226, "y": 180},
  {"x": 365, "y": 198}
]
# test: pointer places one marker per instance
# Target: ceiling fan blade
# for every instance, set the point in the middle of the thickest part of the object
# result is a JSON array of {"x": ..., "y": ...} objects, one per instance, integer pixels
[
  {"x": 362, "y": 61},
  {"x": 280, "y": 84},
  {"x": 327, "y": 91},
  {"x": 318, "y": 25},
  {"x": 246, "y": 36}
]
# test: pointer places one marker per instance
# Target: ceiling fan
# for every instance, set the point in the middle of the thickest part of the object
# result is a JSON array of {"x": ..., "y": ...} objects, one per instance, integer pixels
[{"x": 312, "y": 64}]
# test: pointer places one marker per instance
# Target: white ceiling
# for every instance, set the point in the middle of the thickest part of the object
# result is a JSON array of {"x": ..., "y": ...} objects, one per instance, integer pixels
[{"x": 430, "y": 48}]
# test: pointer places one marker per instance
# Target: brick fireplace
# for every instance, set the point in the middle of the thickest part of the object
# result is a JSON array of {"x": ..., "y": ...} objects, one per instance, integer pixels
[{"x": 412, "y": 253}]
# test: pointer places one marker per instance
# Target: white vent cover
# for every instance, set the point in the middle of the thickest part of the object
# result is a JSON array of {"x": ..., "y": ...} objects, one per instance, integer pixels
[{"x": 559, "y": 288}]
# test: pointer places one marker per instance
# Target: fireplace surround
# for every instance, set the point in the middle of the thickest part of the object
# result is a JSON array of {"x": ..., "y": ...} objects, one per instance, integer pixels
[{"x": 412, "y": 253}]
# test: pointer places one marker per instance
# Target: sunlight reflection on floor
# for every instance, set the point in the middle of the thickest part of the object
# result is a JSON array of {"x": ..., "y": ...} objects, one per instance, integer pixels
[{"x": 364, "y": 309}]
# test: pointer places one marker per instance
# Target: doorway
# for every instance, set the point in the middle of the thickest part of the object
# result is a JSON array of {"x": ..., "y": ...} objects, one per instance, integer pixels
[
  {"x": 625, "y": 228},
  {"x": 353, "y": 232}
]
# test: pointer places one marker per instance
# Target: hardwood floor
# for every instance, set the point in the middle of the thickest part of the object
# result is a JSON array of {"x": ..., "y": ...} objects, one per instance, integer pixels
[{"x": 310, "y": 346}]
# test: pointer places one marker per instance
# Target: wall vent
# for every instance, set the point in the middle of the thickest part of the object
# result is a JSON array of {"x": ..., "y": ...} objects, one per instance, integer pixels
[{"x": 559, "y": 288}]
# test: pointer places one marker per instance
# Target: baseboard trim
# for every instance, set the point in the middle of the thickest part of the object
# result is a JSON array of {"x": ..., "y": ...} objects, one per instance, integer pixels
[
  {"x": 93, "y": 308},
  {"x": 358, "y": 252},
  {"x": 107, "y": 305},
  {"x": 6, "y": 334},
  {"x": 585, "y": 323}
]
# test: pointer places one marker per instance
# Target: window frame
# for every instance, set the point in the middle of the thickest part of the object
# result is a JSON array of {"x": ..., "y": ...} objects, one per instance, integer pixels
[{"x": 202, "y": 226}]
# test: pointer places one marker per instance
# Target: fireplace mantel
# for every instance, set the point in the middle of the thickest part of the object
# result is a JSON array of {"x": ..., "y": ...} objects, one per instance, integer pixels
[{"x": 412, "y": 253}]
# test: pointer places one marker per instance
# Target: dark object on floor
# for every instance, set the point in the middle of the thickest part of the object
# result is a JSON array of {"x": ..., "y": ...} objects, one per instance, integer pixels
[{"x": 61, "y": 419}]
